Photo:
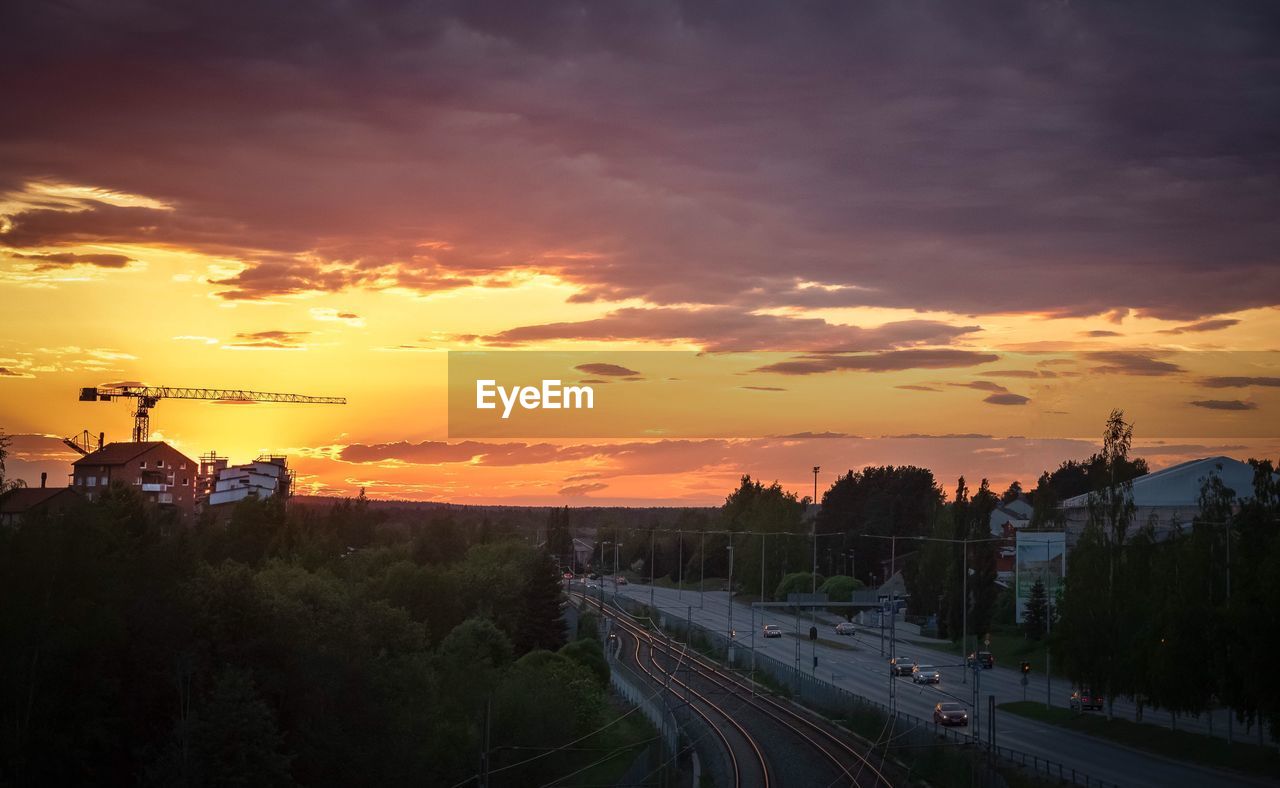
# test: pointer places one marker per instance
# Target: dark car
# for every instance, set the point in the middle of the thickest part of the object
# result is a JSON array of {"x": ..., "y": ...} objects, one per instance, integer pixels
[
  {"x": 950, "y": 714},
  {"x": 984, "y": 659},
  {"x": 902, "y": 666},
  {"x": 1084, "y": 700}
]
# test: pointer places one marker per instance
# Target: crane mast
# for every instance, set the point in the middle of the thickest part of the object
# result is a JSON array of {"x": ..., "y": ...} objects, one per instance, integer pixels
[{"x": 148, "y": 396}]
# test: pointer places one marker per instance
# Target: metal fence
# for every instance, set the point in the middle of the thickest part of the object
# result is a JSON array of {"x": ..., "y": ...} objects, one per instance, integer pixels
[
  {"x": 871, "y": 719},
  {"x": 678, "y": 730}
]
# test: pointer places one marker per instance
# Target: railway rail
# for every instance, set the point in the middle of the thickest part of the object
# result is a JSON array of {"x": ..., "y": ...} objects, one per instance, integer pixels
[{"x": 710, "y": 691}]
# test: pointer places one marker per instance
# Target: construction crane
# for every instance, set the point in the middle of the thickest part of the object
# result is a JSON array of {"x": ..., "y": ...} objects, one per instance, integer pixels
[{"x": 148, "y": 396}]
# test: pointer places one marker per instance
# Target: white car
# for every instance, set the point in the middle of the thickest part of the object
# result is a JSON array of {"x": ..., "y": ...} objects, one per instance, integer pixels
[
  {"x": 772, "y": 631},
  {"x": 845, "y": 628},
  {"x": 926, "y": 675}
]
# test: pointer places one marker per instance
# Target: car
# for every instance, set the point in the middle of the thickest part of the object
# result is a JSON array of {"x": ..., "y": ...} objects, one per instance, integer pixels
[
  {"x": 772, "y": 631},
  {"x": 591, "y": 584},
  {"x": 620, "y": 580},
  {"x": 926, "y": 675},
  {"x": 845, "y": 628},
  {"x": 950, "y": 714},
  {"x": 902, "y": 666},
  {"x": 1084, "y": 700},
  {"x": 593, "y": 576},
  {"x": 984, "y": 659}
]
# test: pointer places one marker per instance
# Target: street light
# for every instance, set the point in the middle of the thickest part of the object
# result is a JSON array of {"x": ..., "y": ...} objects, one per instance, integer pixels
[
  {"x": 964, "y": 616},
  {"x": 729, "y": 614}
]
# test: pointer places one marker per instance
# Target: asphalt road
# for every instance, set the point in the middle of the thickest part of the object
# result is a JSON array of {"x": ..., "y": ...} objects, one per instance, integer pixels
[{"x": 855, "y": 664}]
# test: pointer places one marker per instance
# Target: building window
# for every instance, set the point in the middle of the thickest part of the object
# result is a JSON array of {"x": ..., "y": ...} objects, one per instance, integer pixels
[
  {"x": 92, "y": 480},
  {"x": 184, "y": 481},
  {"x": 142, "y": 464},
  {"x": 159, "y": 463},
  {"x": 104, "y": 481},
  {"x": 139, "y": 481},
  {"x": 182, "y": 466}
]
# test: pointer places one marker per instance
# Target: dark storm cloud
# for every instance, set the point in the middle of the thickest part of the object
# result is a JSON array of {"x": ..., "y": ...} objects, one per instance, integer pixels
[
  {"x": 1006, "y": 398},
  {"x": 1131, "y": 362},
  {"x": 45, "y": 262},
  {"x": 888, "y": 361},
  {"x": 1225, "y": 404},
  {"x": 1067, "y": 159},
  {"x": 1236, "y": 382},
  {"x": 600, "y": 368},
  {"x": 724, "y": 328},
  {"x": 1202, "y": 326}
]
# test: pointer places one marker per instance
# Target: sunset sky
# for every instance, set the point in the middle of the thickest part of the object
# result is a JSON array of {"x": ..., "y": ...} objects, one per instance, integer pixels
[{"x": 990, "y": 228}]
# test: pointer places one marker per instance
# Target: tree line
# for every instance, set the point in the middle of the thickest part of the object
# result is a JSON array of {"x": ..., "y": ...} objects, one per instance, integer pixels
[{"x": 311, "y": 647}]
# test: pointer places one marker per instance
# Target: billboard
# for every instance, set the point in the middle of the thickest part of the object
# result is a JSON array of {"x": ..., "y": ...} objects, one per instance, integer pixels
[{"x": 1039, "y": 555}]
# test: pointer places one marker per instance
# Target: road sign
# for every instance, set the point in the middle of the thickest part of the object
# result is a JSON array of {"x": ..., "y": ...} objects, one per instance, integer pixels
[{"x": 986, "y": 641}]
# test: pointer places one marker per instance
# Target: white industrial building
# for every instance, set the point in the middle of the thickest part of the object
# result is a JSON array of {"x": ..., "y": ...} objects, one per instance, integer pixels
[
  {"x": 1169, "y": 496},
  {"x": 262, "y": 478}
]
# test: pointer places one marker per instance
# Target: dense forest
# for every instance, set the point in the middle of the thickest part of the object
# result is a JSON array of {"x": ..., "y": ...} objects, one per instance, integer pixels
[{"x": 326, "y": 646}]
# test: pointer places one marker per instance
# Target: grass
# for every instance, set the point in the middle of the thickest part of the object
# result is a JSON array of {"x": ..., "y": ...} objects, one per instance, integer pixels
[{"x": 1179, "y": 745}]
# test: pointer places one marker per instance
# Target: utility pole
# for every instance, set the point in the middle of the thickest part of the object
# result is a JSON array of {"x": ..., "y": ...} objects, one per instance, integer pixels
[
  {"x": 484, "y": 756},
  {"x": 1048, "y": 630},
  {"x": 813, "y": 611},
  {"x": 702, "y": 565},
  {"x": 729, "y": 607},
  {"x": 964, "y": 619},
  {"x": 680, "y": 562},
  {"x": 652, "y": 605},
  {"x": 762, "y": 570}
]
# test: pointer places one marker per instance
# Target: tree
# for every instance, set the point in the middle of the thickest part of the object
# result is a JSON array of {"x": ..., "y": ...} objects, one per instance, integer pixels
[
  {"x": 840, "y": 588},
  {"x": 879, "y": 501},
  {"x": 982, "y": 559},
  {"x": 588, "y": 653},
  {"x": 234, "y": 738},
  {"x": 796, "y": 583},
  {"x": 559, "y": 537},
  {"x": 7, "y": 484},
  {"x": 1097, "y": 646},
  {"x": 540, "y": 624},
  {"x": 754, "y": 508},
  {"x": 1012, "y": 493},
  {"x": 1036, "y": 614}
]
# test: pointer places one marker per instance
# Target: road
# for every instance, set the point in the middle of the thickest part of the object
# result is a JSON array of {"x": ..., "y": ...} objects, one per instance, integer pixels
[{"x": 856, "y": 665}]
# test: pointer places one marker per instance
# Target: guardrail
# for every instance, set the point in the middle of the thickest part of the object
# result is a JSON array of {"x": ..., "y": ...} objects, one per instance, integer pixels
[{"x": 906, "y": 730}]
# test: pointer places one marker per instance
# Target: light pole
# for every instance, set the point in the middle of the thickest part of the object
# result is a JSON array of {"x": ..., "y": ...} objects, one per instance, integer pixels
[
  {"x": 680, "y": 561},
  {"x": 729, "y": 607},
  {"x": 1048, "y": 630},
  {"x": 815, "y": 529},
  {"x": 761, "y": 570},
  {"x": 651, "y": 573},
  {"x": 616, "y": 545},
  {"x": 964, "y": 585},
  {"x": 813, "y": 611}
]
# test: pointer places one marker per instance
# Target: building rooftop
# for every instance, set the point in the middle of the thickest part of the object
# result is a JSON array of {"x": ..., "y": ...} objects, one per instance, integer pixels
[
  {"x": 1179, "y": 485},
  {"x": 117, "y": 453},
  {"x": 26, "y": 498}
]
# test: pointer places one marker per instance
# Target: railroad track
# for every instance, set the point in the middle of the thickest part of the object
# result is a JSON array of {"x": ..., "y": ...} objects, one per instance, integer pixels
[
  {"x": 747, "y": 761},
  {"x": 704, "y": 679}
]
